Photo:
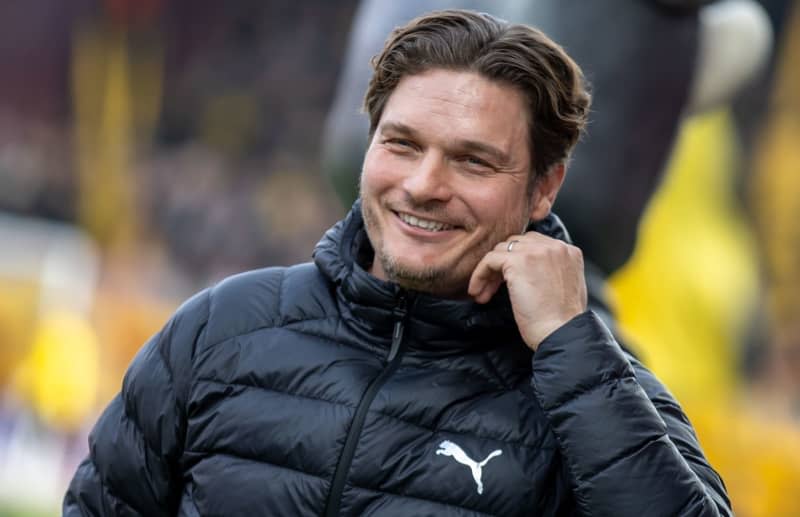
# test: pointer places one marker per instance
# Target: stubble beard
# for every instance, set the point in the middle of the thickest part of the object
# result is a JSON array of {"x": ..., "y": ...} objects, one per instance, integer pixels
[
  {"x": 445, "y": 281},
  {"x": 436, "y": 280},
  {"x": 429, "y": 279}
]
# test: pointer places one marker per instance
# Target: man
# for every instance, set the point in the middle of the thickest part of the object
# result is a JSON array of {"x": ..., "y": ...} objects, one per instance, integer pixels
[{"x": 436, "y": 358}]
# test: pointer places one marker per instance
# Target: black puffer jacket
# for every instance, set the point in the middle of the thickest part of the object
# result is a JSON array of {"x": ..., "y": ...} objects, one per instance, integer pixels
[{"x": 318, "y": 389}]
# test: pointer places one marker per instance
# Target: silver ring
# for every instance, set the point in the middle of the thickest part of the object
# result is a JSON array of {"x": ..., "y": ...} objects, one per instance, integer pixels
[{"x": 511, "y": 245}]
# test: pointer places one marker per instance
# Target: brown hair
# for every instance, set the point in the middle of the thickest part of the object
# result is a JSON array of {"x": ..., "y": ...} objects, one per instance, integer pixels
[{"x": 518, "y": 55}]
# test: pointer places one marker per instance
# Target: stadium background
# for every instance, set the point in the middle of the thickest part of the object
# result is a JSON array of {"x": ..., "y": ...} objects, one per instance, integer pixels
[{"x": 148, "y": 148}]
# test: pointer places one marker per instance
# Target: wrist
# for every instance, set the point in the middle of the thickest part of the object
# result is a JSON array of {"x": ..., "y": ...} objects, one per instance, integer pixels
[{"x": 546, "y": 327}]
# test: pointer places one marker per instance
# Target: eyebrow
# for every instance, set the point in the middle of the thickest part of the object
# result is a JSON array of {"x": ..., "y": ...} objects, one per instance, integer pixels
[{"x": 468, "y": 146}]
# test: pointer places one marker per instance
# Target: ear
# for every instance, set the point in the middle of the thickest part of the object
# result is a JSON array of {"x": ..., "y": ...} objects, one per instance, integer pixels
[{"x": 544, "y": 191}]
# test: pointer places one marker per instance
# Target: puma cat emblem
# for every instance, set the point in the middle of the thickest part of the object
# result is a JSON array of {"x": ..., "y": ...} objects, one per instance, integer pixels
[{"x": 448, "y": 448}]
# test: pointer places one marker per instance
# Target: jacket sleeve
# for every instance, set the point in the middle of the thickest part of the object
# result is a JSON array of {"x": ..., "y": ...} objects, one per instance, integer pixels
[
  {"x": 135, "y": 446},
  {"x": 627, "y": 444}
]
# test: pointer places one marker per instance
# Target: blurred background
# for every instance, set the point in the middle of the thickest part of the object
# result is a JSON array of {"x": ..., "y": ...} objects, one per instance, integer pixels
[{"x": 148, "y": 148}]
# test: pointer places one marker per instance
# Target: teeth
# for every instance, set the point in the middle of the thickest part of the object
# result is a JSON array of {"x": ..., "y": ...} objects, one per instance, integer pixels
[{"x": 432, "y": 226}]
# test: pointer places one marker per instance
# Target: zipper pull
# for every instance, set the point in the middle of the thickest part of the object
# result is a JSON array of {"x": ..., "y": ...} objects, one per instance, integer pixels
[
  {"x": 397, "y": 339},
  {"x": 399, "y": 326}
]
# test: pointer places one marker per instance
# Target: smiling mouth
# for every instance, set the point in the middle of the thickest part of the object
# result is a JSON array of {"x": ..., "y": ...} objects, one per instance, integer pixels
[{"x": 425, "y": 224}]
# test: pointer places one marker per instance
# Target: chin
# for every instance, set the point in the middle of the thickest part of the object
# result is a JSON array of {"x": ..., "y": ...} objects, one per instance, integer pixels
[{"x": 436, "y": 279}]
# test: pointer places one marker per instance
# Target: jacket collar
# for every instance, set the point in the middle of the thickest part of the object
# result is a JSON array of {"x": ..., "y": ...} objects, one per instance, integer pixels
[{"x": 435, "y": 323}]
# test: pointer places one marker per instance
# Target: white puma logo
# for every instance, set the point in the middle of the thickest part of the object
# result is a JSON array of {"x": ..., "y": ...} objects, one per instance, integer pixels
[{"x": 449, "y": 448}]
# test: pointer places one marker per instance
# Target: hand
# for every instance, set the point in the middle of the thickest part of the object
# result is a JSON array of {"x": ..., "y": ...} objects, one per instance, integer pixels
[{"x": 544, "y": 278}]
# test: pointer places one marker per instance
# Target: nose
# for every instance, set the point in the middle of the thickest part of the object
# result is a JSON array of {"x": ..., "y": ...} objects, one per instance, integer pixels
[{"x": 428, "y": 179}]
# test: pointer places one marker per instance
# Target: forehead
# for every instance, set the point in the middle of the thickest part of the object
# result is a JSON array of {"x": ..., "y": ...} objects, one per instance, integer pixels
[{"x": 461, "y": 105}]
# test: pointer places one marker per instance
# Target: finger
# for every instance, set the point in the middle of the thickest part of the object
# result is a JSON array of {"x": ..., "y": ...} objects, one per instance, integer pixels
[
  {"x": 503, "y": 245},
  {"x": 487, "y": 276},
  {"x": 486, "y": 279}
]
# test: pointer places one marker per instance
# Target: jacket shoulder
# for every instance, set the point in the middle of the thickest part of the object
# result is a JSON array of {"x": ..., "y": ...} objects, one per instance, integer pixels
[{"x": 269, "y": 297}]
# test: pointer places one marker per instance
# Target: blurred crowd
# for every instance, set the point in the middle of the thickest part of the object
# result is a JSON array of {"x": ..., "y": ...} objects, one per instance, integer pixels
[{"x": 148, "y": 148}]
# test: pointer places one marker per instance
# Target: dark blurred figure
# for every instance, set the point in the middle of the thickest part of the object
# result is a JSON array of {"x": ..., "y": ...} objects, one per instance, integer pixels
[{"x": 634, "y": 120}]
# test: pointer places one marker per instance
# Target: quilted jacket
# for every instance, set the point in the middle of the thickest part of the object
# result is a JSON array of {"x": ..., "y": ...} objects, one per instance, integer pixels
[{"x": 318, "y": 389}]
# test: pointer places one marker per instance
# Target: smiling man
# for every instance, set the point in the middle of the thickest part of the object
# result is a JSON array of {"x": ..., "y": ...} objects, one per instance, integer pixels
[
  {"x": 445, "y": 177},
  {"x": 438, "y": 357}
]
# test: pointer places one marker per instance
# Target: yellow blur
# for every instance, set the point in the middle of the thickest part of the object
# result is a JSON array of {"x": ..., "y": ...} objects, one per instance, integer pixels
[{"x": 686, "y": 299}]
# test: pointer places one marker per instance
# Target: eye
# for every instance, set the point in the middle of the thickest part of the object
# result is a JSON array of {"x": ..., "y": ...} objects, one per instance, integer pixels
[
  {"x": 402, "y": 144},
  {"x": 475, "y": 163}
]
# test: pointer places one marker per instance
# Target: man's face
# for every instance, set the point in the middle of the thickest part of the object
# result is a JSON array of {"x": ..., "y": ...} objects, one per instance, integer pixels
[{"x": 445, "y": 179}]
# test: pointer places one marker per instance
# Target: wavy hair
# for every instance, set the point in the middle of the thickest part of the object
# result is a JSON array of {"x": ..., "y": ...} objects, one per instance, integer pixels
[{"x": 518, "y": 55}]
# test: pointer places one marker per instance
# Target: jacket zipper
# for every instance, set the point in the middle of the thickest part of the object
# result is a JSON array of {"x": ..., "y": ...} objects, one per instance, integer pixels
[{"x": 353, "y": 435}]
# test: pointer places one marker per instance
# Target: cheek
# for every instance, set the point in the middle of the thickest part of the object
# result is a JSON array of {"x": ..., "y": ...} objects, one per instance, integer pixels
[
  {"x": 379, "y": 171},
  {"x": 372, "y": 173},
  {"x": 498, "y": 202},
  {"x": 504, "y": 210}
]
